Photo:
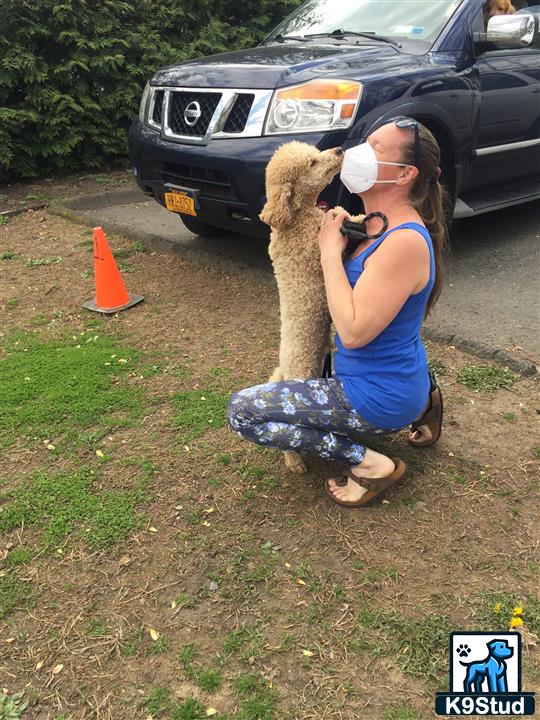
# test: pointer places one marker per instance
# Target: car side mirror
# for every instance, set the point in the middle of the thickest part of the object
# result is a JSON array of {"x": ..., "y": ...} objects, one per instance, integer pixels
[{"x": 509, "y": 31}]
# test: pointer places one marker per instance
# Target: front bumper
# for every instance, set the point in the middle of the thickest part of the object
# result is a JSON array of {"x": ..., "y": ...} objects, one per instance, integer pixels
[{"x": 228, "y": 174}]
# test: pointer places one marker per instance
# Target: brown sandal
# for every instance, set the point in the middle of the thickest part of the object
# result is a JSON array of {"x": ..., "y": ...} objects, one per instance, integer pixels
[
  {"x": 375, "y": 486},
  {"x": 432, "y": 416}
]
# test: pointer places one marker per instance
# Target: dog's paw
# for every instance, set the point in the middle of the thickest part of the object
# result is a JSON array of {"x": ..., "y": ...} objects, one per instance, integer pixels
[
  {"x": 295, "y": 463},
  {"x": 463, "y": 650},
  {"x": 335, "y": 211},
  {"x": 276, "y": 376},
  {"x": 357, "y": 218}
]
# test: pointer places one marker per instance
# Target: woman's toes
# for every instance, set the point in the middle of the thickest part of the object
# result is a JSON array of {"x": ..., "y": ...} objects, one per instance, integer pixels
[
  {"x": 423, "y": 433},
  {"x": 350, "y": 492}
]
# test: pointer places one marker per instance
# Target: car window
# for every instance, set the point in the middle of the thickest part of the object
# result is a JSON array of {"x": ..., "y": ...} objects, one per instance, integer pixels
[
  {"x": 518, "y": 7},
  {"x": 405, "y": 19}
]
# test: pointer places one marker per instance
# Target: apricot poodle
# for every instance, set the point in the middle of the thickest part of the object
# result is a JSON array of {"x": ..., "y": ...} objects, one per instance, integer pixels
[{"x": 295, "y": 177}]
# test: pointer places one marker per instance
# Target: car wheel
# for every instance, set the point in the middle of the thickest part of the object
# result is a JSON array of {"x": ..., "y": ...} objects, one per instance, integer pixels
[{"x": 203, "y": 229}]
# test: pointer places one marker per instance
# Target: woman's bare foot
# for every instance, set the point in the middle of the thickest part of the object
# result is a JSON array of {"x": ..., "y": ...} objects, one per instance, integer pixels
[
  {"x": 423, "y": 433},
  {"x": 374, "y": 465}
]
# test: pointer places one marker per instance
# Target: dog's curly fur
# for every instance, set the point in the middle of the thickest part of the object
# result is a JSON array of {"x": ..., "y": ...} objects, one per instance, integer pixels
[{"x": 295, "y": 177}]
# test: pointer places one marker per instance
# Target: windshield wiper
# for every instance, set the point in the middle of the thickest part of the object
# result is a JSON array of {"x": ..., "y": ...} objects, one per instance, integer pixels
[
  {"x": 339, "y": 33},
  {"x": 281, "y": 38}
]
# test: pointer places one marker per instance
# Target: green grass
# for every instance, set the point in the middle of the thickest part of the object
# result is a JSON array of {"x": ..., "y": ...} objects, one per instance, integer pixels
[
  {"x": 38, "y": 262},
  {"x": 8, "y": 255},
  {"x": 4, "y": 220},
  {"x": 420, "y": 646},
  {"x": 35, "y": 196},
  {"x": 400, "y": 712},
  {"x": 187, "y": 654},
  {"x": 235, "y": 639},
  {"x": 159, "y": 646},
  {"x": 138, "y": 246},
  {"x": 209, "y": 680},
  {"x": 150, "y": 369},
  {"x": 38, "y": 320},
  {"x": 19, "y": 556},
  {"x": 183, "y": 600},
  {"x": 198, "y": 410},
  {"x": 486, "y": 378},
  {"x": 53, "y": 386},
  {"x": 190, "y": 709},
  {"x": 122, "y": 254},
  {"x": 157, "y": 701},
  {"x": 437, "y": 366},
  {"x": 14, "y": 593},
  {"x": 95, "y": 628},
  {"x": 12, "y": 706},
  {"x": 260, "y": 706},
  {"x": 66, "y": 504},
  {"x": 493, "y": 610},
  {"x": 246, "y": 684},
  {"x": 509, "y": 417},
  {"x": 101, "y": 179}
]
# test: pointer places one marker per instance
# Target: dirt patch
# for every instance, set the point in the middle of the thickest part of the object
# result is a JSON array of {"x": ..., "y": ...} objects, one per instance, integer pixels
[
  {"x": 343, "y": 614},
  {"x": 14, "y": 196}
]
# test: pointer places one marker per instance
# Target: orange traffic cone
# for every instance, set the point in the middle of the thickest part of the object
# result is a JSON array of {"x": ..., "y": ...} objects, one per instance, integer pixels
[{"x": 111, "y": 293}]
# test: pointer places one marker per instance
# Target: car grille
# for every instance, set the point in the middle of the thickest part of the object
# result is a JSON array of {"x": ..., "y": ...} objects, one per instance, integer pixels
[
  {"x": 239, "y": 114},
  {"x": 211, "y": 183},
  {"x": 158, "y": 106},
  {"x": 178, "y": 103}
]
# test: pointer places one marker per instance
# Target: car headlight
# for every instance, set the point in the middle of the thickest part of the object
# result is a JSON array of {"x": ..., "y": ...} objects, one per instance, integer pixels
[
  {"x": 315, "y": 105},
  {"x": 143, "y": 107}
]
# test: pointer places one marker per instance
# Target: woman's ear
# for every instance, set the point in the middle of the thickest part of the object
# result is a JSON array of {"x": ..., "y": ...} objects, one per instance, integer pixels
[
  {"x": 408, "y": 174},
  {"x": 278, "y": 209}
]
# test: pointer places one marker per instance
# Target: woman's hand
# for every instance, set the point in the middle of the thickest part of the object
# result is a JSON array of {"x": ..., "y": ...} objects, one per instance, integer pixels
[{"x": 332, "y": 242}]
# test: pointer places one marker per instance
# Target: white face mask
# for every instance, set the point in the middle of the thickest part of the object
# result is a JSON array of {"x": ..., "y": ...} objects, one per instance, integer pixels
[{"x": 360, "y": 168}]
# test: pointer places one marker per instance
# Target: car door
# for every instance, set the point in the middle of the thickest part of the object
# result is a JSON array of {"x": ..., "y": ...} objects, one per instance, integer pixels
[{"x": 508, "y": 137}]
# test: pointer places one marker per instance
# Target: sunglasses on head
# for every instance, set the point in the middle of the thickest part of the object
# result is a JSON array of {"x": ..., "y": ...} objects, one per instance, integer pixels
[{"x": 408, "y": 123}]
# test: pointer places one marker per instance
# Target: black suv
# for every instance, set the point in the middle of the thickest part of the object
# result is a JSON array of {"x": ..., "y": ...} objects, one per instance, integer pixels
[{"x": 327, "y": 75}]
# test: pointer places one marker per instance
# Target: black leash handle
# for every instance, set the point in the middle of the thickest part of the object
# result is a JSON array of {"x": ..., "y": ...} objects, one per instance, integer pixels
[
  {"x": 357, "y": 233},
  {"x": 355, "y": 230}
]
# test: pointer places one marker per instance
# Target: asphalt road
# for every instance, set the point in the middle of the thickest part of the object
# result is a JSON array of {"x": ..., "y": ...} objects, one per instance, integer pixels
[{"x": 493, "y": 273}]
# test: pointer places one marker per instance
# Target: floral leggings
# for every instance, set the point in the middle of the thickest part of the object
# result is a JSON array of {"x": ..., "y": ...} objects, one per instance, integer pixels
[{"x": 306, "y": 416}]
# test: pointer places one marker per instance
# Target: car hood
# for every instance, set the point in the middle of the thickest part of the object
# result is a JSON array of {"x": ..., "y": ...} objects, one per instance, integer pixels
[{"x": 270, "y": 66}]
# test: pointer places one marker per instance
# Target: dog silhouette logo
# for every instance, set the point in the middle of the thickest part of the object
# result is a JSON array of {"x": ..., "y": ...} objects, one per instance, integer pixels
[
  {"x": 485, "y": 676},
  {"x": 491, "y": 669}
]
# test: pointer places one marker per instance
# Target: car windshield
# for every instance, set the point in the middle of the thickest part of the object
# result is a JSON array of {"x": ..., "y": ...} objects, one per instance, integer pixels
[{"x": 404, "y": 19}]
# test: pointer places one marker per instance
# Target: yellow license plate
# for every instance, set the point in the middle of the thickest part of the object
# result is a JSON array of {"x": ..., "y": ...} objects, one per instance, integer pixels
[{"x": 180, "y": 203}]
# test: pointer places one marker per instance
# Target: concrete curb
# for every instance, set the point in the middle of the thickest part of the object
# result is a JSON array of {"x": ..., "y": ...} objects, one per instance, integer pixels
[
  {"x": 19, "y": 211},
  {"x": 155, "y": 243},
  {"x": 482, "y": 350}
]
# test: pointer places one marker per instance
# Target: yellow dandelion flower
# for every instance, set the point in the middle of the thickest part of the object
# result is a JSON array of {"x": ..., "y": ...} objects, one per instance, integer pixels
[
  {"x": 518, "y": 610},
  {"x": 497, "y": 608},
  {"x": 516, "y": 622}
]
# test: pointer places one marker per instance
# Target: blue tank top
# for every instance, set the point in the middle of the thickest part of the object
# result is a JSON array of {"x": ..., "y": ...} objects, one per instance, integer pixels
[{"x": 387, "y": 380}]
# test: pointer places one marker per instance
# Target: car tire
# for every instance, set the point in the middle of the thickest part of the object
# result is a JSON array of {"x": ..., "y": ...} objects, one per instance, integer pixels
[{"x": 203, "y": 229}]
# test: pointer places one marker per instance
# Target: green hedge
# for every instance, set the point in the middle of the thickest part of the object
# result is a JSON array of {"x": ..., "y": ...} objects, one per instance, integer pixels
[{"x": 72, "y": 72}]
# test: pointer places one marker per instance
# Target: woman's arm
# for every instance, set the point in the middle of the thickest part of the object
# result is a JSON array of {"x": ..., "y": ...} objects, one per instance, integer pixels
[{"x": 390, "y": 276}]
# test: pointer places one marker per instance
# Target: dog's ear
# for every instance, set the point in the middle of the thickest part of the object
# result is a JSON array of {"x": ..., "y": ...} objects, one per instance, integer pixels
[{"x": 279, "y": 207}]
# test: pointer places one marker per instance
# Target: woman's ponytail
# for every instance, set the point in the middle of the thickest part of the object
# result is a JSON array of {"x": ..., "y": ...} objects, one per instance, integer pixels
[{"x": 429, "y": 198}]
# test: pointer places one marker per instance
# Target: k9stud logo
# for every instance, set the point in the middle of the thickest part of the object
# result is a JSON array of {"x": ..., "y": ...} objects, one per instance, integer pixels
[{"x": 485, "y": 676}]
